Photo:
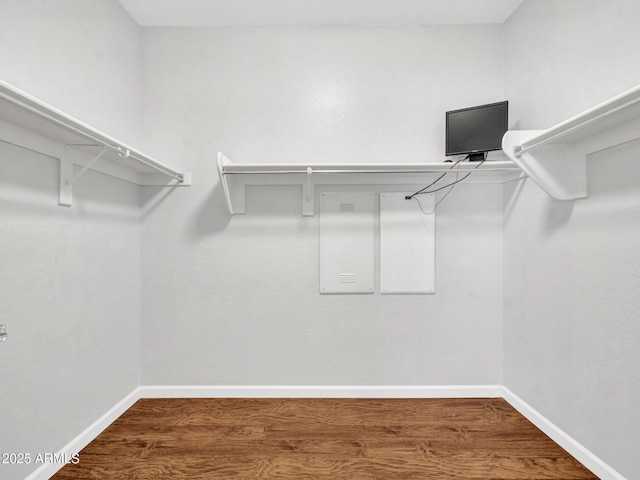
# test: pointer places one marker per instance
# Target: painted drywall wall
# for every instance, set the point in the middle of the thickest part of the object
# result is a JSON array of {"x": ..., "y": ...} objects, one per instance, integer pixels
[
  {"x": 69, "y": 278},
  {"x": 234, "y": 300},
  {"x": 81, "y": 57},
  {"x": 571, "y": 331}
]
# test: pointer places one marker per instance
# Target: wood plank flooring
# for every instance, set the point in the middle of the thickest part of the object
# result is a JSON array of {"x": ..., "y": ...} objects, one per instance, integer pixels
[{"x": 184, "y": 439}]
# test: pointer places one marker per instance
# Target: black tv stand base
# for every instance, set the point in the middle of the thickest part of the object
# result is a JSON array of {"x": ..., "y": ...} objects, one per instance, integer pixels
[{"x": 477, "y": 157}]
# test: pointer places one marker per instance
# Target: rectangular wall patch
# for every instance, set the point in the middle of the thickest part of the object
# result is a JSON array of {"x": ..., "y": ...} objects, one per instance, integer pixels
[
  {"x": 347, "y": 242},
  {"x": 407, "y": 243}
]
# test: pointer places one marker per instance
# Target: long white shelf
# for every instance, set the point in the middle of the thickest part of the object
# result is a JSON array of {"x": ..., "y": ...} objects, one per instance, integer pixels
[
  {"x": 555, "y": 158},
  {"x": 235, "y": 177},
  {"x": 30, "y": 123}
]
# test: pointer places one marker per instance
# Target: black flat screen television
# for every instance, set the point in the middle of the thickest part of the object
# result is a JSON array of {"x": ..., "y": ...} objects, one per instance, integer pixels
[{"x": 476, "y": 130}]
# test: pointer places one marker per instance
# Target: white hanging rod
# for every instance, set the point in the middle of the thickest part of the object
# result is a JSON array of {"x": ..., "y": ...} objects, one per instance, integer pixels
[
  {"x": 298, "y": 172},
  {"x": 600, "y": 112},
  {"x": 28, "y": 103},
  {"x": 307, "y": 170}
]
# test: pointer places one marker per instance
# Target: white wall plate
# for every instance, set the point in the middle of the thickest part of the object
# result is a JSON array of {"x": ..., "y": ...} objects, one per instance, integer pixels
[
  {"x": 346, "y": 242},
  {"x": 407, "y": 244}
]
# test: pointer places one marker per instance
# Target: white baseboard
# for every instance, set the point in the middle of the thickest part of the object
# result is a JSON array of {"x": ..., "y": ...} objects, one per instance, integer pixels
[
  {"x": 584, "y": 456},
  {"x": 47, "y": 470},
  {"x": 320, "y": 391},
  {"x": 575, "y": 449}
]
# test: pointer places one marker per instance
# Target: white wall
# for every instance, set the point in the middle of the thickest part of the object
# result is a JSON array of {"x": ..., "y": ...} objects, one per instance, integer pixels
[
  {"x": 571, "y": 334},
  {"x": 80, "y": 56},
  {"x": 235, "y": 300},
  {"x": 69, "y": 278}
]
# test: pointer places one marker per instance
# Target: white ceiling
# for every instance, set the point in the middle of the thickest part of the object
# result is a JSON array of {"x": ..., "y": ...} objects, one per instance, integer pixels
[{"x": 163, "y": 13}]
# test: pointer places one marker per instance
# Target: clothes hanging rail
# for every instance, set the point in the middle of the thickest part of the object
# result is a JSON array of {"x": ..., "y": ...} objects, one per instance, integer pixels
[
  {"x": 555, "y": 158},
  {"x": 498, "y": 166}
]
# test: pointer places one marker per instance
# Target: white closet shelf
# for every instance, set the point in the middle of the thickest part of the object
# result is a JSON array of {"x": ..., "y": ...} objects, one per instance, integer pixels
[
  {"x": 555, "y": 158},
  {"x": 235, "y": 177},
  {"x": 30, "y": 123}
]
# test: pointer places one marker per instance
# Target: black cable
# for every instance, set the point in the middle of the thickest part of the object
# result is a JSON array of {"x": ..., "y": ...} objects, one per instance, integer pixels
[
  {"x": 439, "y": 201},
  {"x": 409, "y": 197},
  {"x": 422, "y": 190}
]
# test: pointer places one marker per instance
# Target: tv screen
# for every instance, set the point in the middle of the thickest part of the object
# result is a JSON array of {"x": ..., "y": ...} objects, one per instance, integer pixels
[{"x": 476, "y": 129}]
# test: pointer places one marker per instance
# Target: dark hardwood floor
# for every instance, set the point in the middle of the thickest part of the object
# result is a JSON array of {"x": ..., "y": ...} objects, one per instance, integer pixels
[{"x": 184, "y": 439}]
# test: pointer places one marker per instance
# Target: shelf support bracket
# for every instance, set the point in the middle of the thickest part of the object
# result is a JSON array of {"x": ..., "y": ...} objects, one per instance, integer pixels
[
  {"x": 65, "y": 198},
  {"x": 67, "y": 178},
  {"x": 308, "y": 193}
]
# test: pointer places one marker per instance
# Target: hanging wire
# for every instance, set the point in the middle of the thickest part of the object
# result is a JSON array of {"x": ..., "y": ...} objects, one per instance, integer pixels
[
  {"x": 409, "y": 197},
  {"x": 449, "y": 185}
]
